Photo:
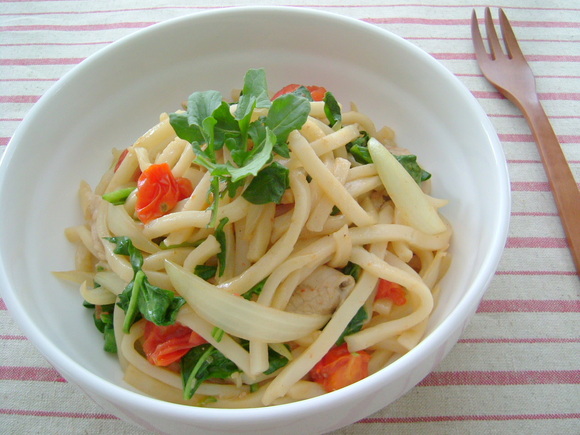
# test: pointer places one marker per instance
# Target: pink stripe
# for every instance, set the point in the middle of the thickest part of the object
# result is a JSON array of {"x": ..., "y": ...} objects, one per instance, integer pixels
[
  {"x": 76, "y": 28},
  {"x": 528, "y": 306},
  {"x": 42, "y": 374},
  {"x": 551, "y": 96},
  {"x": 38, "y": 413},
  {"x": 42, "y": 61},
  {"x": 536, "y": 242},
  {"x": 526, "y": 377},
  {"x": 2, "y": 305},
  {"x": 564, "y": 138},
  {"x": 536, "y": 272},
  {"x": 529, "y": 57},
  {"x": 3, "y": 142},
  {"x": 466, "y": 22},
  {"x": 533, "y": 213},
  {"x": 530, "y": 186},
  {"x": 443, "y": 418},
  {"x": 540, "y": 340},
  {"x": 13, "y": 337},
  {"x": 30, "y": 99}
]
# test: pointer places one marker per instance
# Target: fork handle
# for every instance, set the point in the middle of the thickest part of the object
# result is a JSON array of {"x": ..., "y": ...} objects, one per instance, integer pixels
[{"x": 564, "y": 187}]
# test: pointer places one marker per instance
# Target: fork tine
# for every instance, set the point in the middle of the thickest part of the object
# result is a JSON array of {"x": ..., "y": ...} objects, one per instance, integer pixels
[
  {"x": 511, "y": 43},
  {"x": 480, "y": 52},
  {"x": 492, "y": 39}
]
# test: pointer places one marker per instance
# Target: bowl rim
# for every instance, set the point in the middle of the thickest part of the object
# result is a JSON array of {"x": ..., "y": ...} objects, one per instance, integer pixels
[{"x": 454, "y": 320}]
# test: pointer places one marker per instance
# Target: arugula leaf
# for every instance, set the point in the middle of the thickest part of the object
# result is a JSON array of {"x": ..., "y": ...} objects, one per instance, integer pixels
[
  {"x": 209, "y": 125},
  {"x": 269, "y": 185},
  {"x": 276, "y": 360},
  {"x": 355, "y": 324},
  {"x": 140, "y": 298},
  {"x": 332, "y": 111},
  {"x": 352, "y": 269},
  {"x": 201, "y": 363},
  {"x": 220, "y": 236},
  {"x": 103, "y": 318},
  {"x": 205, "y": 272},
  {"x": 359, "y": 150},
  {"x": 256, "y": 290},
  {"x": 288, "y": 112},
  {"x": 409, "y": 162}
]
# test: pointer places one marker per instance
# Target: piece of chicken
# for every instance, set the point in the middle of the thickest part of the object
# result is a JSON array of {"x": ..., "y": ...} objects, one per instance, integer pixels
[{"x": 321, "y": 292}]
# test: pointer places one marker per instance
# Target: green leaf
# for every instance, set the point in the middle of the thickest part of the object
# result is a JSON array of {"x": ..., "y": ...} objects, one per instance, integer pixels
[
  {"x": 205, "y": 272},
  {"x": 104, "y": 323},
  {"x": 180, "y": 123},
  {"x": 201, "y": 363},
  {"x": 140, "y": 298},
  {"x": 276, "y": 360},
  {"x": 256, "y": 86},
  {"x": 220, "y": 236},
  {"x": 256, "y": 160},
  {"x": 269, "y": 185},
  {"x": 332, "y": 110},
  {"x": 256, "y": 290},
  {"x": 353, "y": 270},
  {"x": 409, "y": 162},
  {"x": 354, "y": 325},
  {"x": 288, "y": 112},
  {"x": 359, "y": 150},
  {"x": 201, "y": 105}
]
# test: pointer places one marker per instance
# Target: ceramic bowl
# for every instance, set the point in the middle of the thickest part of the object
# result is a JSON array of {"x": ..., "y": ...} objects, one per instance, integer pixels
[{"x": 114, "y": 96}]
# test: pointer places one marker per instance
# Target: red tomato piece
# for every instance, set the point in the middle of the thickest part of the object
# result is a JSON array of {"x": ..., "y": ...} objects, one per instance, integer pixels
[
  {"x": 318, "y": 92},
  {"x": 391, "y": 290},
  {"x": 164, "y": 345},
  {"x": 157, "y": 192},
  {"x": 185, "y": 188},
  {"x": 340, "y": 368}
]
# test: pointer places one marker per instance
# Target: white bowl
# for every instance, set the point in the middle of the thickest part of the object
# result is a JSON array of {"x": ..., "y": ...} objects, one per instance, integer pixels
[{"x": 114, "y": 96}]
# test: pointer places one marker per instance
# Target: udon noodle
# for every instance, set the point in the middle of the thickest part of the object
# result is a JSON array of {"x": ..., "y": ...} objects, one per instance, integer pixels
[{"x": 269, "y": 289}]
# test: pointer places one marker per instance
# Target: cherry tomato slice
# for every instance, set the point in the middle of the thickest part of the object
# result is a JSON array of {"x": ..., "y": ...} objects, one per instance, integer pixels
[
  {"x": 163, "y": 345},
  {"x": 157, "y": 192},
  {"x": 318, "y": 92},
  {"x": 391, "y": 290},
  {"x": 340, "y": 368}
]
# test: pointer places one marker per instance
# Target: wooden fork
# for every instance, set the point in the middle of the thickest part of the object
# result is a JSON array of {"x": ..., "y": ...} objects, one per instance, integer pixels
[{"x": 511, "y": 75}]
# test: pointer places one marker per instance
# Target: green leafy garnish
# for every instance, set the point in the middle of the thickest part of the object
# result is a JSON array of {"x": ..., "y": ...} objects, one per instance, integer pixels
[
  {"x": 205, "y": 272},
  {"x": 352, "y": 269},
  {"x": 276, "y": 360},
  {"x": 269, "y": 185},
  {"x": 220, "y": 236},
  {"x": 140, "y": 298},
  {"x": 256, "y": 290},
  {"x": 354, "y": 325},
  {"x": 332, "y": 111},
  {"x": 201, "y": 363},
  {"x": 103, "y": 318},
  {"x": 209, "y": 125},
  {"x": 359, "y": 150}
]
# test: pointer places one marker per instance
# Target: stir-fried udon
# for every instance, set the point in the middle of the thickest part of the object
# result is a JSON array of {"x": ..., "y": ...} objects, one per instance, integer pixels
[{"x": 260, "y": 251}]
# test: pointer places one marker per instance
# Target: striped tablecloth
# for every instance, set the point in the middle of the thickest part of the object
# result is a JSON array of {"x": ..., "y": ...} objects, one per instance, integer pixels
[{"x": 517, "y": 367}]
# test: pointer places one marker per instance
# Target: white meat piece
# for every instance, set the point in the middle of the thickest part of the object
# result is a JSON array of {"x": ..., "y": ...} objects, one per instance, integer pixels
[{"x": 321, "y": 292}]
